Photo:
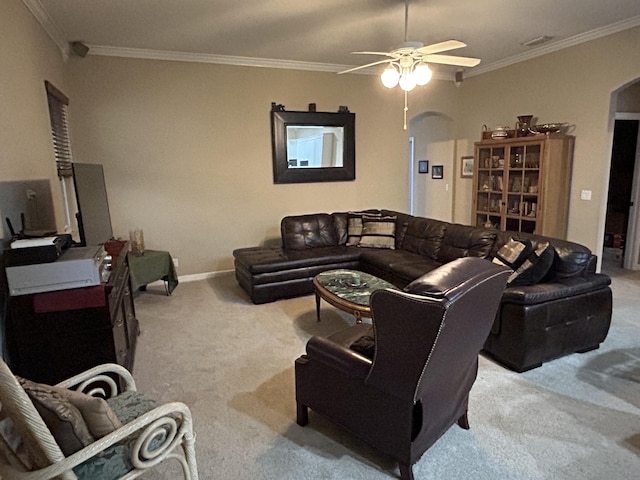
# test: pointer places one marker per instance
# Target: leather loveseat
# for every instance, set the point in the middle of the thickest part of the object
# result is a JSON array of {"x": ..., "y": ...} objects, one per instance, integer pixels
[{"x": 567, "y": 311}]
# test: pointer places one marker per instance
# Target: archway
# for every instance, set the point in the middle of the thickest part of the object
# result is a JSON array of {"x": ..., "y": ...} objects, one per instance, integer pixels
[
  {"x": 432, "y": 141},
  {"x": 622, "y": 222}
]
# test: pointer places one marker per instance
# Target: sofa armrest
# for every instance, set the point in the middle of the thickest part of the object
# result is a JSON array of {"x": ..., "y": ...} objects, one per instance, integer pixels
[
  {"x": 561, "y": 288},
  {"x": 339, "y": 358}
]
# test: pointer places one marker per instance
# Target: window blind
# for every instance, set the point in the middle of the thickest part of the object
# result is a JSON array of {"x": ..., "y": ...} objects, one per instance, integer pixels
[{"x": 58, "y": 103}]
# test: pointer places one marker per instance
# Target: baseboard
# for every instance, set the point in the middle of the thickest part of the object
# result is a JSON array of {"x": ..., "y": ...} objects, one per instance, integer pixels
[{"x": 196, "y": 276}]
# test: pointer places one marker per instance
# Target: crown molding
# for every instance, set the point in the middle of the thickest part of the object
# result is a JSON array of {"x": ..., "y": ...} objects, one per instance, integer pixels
[
  {"x": 147, "y": 54},
  {"x": 208, "y": 58},
  {"x": 49, "y": 26},
  {"x": 58, "y": 36},
  {"x": 559, "y": 45}
]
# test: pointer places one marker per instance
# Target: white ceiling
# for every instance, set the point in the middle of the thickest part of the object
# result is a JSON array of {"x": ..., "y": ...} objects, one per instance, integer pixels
[{"x": 320, "y": 34}]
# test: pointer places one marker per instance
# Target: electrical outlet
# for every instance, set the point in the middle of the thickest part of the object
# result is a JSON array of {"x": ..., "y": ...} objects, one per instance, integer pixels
[{"x": 176, "y": 263}]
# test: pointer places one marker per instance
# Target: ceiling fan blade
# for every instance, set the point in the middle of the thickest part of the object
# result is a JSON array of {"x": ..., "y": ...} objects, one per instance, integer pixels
[
  {"x": 386, "y": 54},
  {"x": 441, "y": 47},
  {"x": 453, "y": 60},
  {"x": 386, "y": 60}
]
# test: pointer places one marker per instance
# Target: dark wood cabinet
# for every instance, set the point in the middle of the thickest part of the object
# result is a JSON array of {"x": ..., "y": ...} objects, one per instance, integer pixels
[{"x": 54, "y": 335}]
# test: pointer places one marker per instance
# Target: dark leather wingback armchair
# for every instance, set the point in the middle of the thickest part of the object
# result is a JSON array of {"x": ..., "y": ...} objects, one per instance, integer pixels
[{"x": 416, "y": 384}]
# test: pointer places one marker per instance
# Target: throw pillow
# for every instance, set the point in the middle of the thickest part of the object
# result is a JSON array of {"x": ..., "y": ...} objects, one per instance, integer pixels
[
  {"x": 378, "y": 232},
  {"x": 513, "y": 253},
  {"x": 99, "y": 418},
  {"x": 63, "y": 419},
  {"x": 354, "y": 228},
  {"x": 96, "y": 412},
  {"x": 534, "y": 268}
]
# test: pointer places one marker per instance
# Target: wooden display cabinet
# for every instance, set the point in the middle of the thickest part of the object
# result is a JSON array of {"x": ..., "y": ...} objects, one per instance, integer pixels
[{"x": 522, "y": 184}]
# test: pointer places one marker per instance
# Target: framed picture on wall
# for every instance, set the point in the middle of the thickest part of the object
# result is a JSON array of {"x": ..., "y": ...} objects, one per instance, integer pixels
[
  {"x": 466, "y": 167},
  {"x": 437, "y": 171},
  {"x": 423, "y": 166}
]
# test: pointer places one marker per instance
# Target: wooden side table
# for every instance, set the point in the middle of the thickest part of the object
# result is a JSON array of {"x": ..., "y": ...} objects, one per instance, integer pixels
[{"x": 151, "y": 266}]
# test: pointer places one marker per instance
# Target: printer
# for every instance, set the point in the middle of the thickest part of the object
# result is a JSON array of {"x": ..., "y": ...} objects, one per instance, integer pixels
[{"x": 74, "y": 268}]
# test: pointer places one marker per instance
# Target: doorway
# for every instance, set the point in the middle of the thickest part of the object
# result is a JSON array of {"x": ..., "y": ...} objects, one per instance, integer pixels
[{"x": 622, "y": 239}]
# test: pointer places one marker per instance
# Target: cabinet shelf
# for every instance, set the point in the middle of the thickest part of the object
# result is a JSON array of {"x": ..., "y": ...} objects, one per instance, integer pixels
[{"x": 528, "y": 177}]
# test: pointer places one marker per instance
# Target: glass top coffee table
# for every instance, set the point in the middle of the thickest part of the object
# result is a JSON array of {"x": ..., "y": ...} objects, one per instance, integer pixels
[{"x": 348, "y": 290}]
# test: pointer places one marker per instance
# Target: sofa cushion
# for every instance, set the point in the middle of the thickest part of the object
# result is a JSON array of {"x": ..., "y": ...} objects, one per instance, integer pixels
[
  {"x": 446, "y": 281},
  {"x": 534, "y": 268},
  {"x": 402, "y": 221},
  {"x": 308, "y": 231},
  {"x": 424, "y": 236},
  {"x": 465, "y": 241},
  {"x": 397, "y": 266},
  {"x": 514, "y": 253},
  {"x": 340, "y": 225},
  {"x": 556, "y": 290},
  {"x": 260, "y": 260},
  {"x": 378, "y": 232}
]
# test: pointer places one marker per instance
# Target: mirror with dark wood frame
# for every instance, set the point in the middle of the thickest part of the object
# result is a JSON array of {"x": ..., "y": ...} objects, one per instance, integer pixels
[{"x": 312, "y": 146}]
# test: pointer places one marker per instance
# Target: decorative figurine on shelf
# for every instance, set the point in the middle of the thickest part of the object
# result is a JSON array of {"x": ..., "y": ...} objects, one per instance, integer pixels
[{"x": 523, "y": 125}]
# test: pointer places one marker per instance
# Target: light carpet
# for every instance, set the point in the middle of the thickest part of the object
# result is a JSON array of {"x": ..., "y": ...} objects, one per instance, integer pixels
[{"x": 207, "y": 345}]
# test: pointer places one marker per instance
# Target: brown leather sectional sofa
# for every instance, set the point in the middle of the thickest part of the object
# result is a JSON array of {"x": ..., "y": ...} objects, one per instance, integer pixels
[{"x": 568, "y": 311}]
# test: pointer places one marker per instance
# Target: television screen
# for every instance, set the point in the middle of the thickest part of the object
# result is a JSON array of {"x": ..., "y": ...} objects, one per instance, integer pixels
[
  {"x": 94, "y": 220},
  {"x": 27, "y": 206}
]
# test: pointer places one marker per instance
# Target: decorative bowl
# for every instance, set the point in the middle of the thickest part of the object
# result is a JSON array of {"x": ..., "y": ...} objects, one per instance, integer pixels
[{"x": 547, "y": 127}]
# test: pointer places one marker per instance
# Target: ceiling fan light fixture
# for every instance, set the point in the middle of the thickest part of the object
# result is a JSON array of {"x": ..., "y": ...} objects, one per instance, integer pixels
[
  {"x": 407, "y": 81},
  {"x": 422, "y": 74},
  {"x": 390, "y": 77}
]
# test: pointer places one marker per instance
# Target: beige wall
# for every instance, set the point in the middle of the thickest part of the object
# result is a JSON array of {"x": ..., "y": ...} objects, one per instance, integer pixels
[
  {"x": 186, "y": 150},
  {"x": 629, "y": 99},
  {"x": 27, "y": 58},
  {"x": 574, "y": 85}
]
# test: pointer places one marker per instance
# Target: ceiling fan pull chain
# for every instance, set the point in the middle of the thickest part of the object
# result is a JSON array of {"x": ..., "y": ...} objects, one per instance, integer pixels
[{"x": 406, "y": 108}]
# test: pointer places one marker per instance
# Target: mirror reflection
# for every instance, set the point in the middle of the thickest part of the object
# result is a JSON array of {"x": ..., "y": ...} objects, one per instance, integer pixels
[
  {"x": 313, "y": 146},
  {"x": 310, "y": 146}
]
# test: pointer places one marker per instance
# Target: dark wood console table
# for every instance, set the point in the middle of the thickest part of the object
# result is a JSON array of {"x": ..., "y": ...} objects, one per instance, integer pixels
[{"x": 54, "y": 335}]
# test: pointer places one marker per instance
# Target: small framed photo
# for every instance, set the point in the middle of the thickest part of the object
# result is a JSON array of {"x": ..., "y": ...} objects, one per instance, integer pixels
[
  {"x": 423, "y": 166},
  {"x": 466, "y": 167},
  {"x": 437, "y": 171}
]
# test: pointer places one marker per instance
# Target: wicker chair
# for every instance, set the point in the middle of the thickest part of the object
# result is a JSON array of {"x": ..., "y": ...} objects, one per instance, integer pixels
[{"x": 145, "y": 434}]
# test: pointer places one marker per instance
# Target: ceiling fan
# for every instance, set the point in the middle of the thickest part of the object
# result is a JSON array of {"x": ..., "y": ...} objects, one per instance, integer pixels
[
  {"x": 409, "y": 55},
  {"x": 408, "y": 63}
]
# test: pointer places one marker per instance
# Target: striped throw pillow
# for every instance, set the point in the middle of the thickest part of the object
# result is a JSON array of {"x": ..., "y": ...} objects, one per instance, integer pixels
[{"x": 378, "y": 232}]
